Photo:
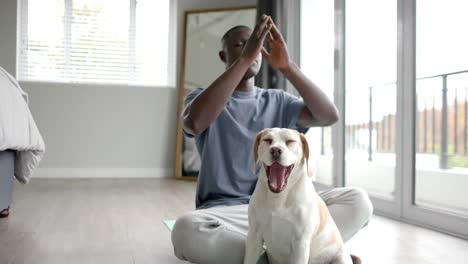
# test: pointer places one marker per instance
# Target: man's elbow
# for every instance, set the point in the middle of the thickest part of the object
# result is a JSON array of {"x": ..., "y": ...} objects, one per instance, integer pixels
[
  {"x": 327, "y": 120},
  {"x": 191, "y": 127},
  {"x": 333, "y": 118}
]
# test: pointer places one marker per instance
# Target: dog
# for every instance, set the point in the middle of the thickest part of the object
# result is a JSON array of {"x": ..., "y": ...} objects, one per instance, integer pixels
[{"x": 285, "y": 212}]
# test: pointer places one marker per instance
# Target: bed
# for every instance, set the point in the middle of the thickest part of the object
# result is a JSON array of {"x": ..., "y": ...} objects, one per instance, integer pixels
[{"x": 21, "y": 145}]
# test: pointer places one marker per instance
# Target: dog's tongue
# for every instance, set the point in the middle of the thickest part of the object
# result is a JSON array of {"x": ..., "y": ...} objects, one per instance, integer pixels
[{"x": 277, "y": 177}]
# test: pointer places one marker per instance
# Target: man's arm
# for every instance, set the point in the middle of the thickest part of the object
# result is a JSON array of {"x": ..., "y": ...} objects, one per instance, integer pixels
[
  {"x": 207, "y": 106},
  {"x": 319, "y": 110}
]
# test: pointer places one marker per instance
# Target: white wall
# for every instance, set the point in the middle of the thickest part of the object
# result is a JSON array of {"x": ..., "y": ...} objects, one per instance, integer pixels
[
  {"x": 87, "y": 126},
  {"x": 8, "y": 35}
]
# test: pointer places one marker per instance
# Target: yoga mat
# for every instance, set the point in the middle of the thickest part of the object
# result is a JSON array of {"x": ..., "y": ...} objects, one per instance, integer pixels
[{"x": 169, "y": 224}]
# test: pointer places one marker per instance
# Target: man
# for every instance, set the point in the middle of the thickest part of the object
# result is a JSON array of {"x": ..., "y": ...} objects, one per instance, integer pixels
[{"x": 224, "y": 119}]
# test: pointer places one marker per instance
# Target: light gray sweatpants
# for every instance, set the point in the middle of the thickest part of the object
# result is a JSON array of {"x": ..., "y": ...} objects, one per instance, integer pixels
[{"x": 217, "y": 235}]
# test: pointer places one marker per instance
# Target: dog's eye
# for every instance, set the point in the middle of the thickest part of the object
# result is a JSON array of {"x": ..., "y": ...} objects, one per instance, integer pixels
[
  {"x": 290, "y": 141},
  {"x": 268, "y": 140}
]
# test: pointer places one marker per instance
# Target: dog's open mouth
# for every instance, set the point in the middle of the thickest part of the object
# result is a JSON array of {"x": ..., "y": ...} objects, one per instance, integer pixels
[{"x": 277, "y": 176}]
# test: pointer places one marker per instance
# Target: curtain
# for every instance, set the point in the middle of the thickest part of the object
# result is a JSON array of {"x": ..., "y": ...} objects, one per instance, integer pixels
[{"x": 269, "y": 77}]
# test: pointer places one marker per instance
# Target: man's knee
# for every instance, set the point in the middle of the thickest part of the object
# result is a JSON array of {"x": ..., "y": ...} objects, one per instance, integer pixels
[
  {"x": 182, "y": 233},
  {"x": 363, "y": 205},
  {"x": 199, "y": 237}
]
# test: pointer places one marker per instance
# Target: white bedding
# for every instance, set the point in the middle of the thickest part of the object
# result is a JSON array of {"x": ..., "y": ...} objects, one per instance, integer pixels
[{"x": 18, "y": 131}]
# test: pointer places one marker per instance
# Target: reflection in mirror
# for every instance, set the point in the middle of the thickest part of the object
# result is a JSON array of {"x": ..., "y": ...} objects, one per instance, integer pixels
[{"x": 201, "y": 65}]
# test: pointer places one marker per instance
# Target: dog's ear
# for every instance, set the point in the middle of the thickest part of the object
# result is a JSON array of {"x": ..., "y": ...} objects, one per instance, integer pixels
[
  {"x": 256, "y": 143},
  {"x": 255, "y": 148},
  {"x": 305, "y": 146},
  {"x": 305, "y": 150}
]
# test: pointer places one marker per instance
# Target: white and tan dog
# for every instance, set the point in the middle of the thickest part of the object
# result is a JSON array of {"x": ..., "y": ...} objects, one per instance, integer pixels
[{"x": 285, "y": 212}]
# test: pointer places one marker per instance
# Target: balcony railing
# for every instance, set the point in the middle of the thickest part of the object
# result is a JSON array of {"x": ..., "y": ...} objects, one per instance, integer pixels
[{"x": 441, "y": 120}]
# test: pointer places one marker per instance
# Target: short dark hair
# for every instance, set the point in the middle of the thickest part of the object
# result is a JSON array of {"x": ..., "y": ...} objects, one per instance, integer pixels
[{"x": 228, "y": 33}]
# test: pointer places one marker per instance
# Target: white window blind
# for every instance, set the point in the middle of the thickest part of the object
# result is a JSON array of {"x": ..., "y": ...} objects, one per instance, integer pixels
[{"x": 95, "y": 41}]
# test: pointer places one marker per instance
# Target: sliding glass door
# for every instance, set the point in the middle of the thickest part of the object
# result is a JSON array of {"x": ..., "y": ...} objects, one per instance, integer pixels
[
  {"x": 439, "y": 189},
  {"x": 399, "y": 75},
  {"x": 370, "y": 95},
  {"x": 317, "y": 62},
  {"x": 442, "y": 112}
]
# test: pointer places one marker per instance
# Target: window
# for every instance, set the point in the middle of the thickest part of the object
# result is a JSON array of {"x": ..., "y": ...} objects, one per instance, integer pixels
[{"x": 95, "y": 41}]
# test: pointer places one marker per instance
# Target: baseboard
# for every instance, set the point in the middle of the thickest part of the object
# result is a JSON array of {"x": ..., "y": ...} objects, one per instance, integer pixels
[{"x": 66, "y": 173}]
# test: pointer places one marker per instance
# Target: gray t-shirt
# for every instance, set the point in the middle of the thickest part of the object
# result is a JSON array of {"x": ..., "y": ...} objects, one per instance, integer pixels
[{"x": 226, "y": 146}]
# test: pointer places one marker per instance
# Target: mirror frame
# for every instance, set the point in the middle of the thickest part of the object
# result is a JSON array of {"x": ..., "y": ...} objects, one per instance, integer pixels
[{"x": 180, "y": 90}]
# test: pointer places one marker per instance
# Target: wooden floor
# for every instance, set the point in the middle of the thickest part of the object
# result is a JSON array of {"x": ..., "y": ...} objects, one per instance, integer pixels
[{"x": 121, "y": 221}]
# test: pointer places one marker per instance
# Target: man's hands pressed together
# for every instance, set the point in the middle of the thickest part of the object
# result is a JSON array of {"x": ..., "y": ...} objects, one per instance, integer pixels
[
  {"x": 278, "y": 57},
  {"x": 254, "y": 44}
]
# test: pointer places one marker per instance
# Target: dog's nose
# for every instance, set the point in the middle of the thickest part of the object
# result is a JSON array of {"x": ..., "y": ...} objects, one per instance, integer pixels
[{"x": 275, "y": 152}]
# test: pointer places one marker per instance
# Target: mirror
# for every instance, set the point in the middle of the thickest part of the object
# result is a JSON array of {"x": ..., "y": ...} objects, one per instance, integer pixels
[{"x": 200, "y": 66}]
